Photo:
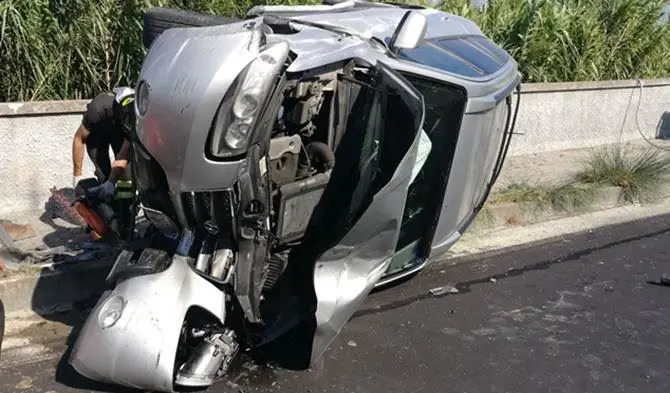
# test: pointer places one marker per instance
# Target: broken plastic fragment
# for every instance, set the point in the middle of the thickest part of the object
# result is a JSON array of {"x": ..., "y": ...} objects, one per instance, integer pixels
[{"x": 439, "y": 291}]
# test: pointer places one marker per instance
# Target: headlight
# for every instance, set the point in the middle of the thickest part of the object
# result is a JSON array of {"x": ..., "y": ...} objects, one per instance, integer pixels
[
  {"x": 142, "y": 99},
  {"x": 240, "y": 110},
  {"x": 111, "y": 312}
]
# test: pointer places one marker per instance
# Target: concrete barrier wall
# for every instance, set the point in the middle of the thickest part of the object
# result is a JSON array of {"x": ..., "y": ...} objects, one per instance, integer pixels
[
  {"x": 557, "y": 116},
  {"x": 36, "y": 152},
  {"x": 36, "y": 137}
]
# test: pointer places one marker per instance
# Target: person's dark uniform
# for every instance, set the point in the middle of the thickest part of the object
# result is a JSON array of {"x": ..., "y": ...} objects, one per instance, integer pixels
[
  {"x": 106, "y": 121},
  {"x": 109, "y": 121}
]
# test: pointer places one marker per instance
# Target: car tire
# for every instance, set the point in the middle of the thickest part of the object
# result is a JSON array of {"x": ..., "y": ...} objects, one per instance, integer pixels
[
  {"x": 159, "y": 19},
  {"x": 2, "y": 325}
]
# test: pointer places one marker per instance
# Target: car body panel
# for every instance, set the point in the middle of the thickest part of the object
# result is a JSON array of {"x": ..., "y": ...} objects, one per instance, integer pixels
[
  {"x": 471, "y": 174},
  {"x": 175, "y": 130},
  {"x": 347, "y": 272},
  {"x": 140, "y": 349}
]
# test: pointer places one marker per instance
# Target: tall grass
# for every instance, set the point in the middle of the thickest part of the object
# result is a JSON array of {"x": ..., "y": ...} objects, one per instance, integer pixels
[
  {"x": 562, "y": 197},
  {"x": 70, "y": 49},
  {"x": 577, "y": 40},
  {"x": 60, "y": 49},
  {"x": 67, "y": 49},
  {"x": 639, "y": 173}
]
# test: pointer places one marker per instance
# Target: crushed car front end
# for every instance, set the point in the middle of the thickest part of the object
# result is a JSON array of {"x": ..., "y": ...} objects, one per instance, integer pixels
[
  {"x": 201, "y": 93},
  {"x": 298, "y": 161}
]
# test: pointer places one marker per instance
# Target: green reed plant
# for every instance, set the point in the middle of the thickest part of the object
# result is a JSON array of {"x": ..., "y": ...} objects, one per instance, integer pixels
[{"x": 68, "y": 49}]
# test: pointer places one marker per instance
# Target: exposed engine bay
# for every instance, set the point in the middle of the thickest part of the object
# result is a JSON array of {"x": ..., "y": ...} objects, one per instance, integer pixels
[
  {"x": 300, "y": 158},
  {"x": 301, "y": 155},
  {"x": 274, "y": 158}
]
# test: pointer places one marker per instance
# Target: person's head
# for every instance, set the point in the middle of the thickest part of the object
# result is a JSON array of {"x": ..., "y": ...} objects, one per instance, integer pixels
[{"x": 124, "y": 98}]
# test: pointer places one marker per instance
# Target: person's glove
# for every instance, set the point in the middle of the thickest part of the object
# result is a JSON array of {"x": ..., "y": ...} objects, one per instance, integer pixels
[
  {"x": 75, "y": 180},
  {"x": 104, "y": 191}
]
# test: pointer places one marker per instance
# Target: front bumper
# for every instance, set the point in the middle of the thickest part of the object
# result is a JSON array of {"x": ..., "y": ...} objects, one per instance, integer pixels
[{"x": 139, "y": 350}]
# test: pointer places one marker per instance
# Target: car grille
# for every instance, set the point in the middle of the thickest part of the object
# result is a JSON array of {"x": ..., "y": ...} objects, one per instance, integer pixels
[{"x": 197, "y": 208}]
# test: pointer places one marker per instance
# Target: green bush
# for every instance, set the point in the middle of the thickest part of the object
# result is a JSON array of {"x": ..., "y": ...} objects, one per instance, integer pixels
[
  {"x": 71, "y": 49},
  {"x": 639, "y": 173},
  {"x": 577, "y": 40},
  {"x": 68, "y": 49}
]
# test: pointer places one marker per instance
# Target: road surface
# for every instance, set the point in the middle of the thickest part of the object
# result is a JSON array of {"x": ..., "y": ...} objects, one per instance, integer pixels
[{"x": 575, "y": 315}]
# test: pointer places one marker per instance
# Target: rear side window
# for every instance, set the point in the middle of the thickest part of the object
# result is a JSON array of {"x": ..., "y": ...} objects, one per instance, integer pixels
[{"x": 470, "y": 56}]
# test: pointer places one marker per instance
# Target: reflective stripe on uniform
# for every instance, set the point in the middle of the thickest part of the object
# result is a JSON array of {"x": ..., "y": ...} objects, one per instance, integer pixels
[{"x": 123, "y": 195}]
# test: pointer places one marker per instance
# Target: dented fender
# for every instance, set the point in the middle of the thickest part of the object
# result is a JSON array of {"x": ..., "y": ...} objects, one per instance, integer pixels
[{"x": 140, "y": 348}]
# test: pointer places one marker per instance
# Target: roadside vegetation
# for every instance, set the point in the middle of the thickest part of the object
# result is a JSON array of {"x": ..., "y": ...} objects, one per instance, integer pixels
[
  {"x": 564, "y": 197},
  {"x": 639, "y": 174},
  {"x": 70, "y": 49}
]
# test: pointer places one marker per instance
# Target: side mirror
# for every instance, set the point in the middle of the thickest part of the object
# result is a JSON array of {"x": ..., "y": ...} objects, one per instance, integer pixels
[{"x": 410, "y": 31}]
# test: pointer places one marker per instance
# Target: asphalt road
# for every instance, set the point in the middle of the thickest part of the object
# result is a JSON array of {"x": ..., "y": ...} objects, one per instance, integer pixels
[{"x": 574, "y": 315}]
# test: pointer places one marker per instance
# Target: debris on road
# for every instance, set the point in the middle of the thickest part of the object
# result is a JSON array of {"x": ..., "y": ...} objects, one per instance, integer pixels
[
  {"x": 663, "y": 281},
  {"x": 439, "y": 291},
  {"x": 352, "y": 343},
  {"x": 60, "y": 205},
  {"x": 493, "y": 280},
  {"x": 16, "y": 231}
]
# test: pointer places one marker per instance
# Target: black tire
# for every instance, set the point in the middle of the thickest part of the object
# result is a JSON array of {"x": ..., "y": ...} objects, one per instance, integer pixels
[
  {"x": 2, "y": 325},
  {"x": 158, "y": 19}
]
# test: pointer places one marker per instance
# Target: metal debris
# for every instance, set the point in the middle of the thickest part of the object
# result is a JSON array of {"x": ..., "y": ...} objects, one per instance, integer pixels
[
  {"x": 664, "y": 280},
  {"x": 17, "y": 231},
  {"x": 439, "y": 291}
]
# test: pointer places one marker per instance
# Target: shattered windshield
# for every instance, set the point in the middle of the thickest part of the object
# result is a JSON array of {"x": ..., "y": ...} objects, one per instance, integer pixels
[{"x": 471, "y": 56}]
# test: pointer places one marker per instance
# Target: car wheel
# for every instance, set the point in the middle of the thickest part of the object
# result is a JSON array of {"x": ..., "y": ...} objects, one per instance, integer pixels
[
  {"x": 2, "y": 325},
  {"x": 159, "y": 19}
]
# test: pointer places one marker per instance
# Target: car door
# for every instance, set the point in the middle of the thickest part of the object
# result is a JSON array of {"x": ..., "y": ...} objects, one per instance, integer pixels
[
  {"x": 353, "y": 231},
  {"x": 347, "y": 271}
]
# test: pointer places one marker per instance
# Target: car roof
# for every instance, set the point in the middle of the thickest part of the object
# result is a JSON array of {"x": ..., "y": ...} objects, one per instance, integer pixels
[
  {"x": 315, "y": 47},
  {"x": 382, "y": 22}
]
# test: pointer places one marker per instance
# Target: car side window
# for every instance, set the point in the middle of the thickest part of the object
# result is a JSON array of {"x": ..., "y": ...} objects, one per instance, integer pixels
[
  {"x": 384, "y": 144},
  {"x": 366, "y": 118}
]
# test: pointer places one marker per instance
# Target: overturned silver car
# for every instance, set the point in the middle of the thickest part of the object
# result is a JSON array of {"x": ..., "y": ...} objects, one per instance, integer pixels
[{"x": 293, "y": 161}]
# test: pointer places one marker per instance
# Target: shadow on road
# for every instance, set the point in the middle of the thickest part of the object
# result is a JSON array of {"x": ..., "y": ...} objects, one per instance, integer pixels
[
  {"x": 86, "y": 284},
  {"x": 68, "y": 376},
  {"x": 65, "y": 374}
]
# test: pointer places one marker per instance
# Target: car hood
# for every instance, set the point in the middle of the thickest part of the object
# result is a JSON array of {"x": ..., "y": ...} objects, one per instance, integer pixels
[{"x": 188, "y": 72}]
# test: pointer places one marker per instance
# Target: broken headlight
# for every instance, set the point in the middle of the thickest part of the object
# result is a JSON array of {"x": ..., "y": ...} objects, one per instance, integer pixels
[
  {"x": 239, "y": 111},
  {"x": 111, "y": 312}
]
